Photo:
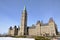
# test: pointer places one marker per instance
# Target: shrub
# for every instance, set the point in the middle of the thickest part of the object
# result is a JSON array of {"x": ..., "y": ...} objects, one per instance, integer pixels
[
  {"x": 36, "y": 37},
  {"x": 41, "y": 38}
]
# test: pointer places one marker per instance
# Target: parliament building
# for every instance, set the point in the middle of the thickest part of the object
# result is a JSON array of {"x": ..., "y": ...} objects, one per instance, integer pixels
[{"x": 39, "y": 29}]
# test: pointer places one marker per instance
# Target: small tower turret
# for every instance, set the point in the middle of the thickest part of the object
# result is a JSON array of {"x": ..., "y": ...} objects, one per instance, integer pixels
[
  {"x": 51, "y": 21},
  {"x": 52, "y": 26},
  {"x": 38, "y": 28},
  {"x": 10, "y": 30},
  {"x": 15, "y": 30}
]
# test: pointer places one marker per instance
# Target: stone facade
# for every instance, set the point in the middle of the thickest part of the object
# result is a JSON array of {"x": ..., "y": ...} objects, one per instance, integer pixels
[
  {"x": 49, "y": 28},
  {"x": 13, "y": 31},
  {"x": 39, "y": 29}
]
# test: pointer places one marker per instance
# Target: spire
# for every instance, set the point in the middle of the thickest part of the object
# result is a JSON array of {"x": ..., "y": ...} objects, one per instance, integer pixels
[
  {"x": 24, "y": 7},
  {"x": 24, "y": 10}
]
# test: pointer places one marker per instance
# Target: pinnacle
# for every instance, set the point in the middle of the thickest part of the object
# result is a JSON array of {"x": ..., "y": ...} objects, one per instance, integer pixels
[{"x": 24, "y": 7}]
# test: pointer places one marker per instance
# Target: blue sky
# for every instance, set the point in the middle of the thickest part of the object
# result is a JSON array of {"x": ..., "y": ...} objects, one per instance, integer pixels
[{"x": 11, "y": 11}]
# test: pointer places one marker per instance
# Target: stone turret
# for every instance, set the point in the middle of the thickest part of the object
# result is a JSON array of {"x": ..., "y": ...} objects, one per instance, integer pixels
[
  {"x": 38, "y": 23},
  {"x": 52, "y": 26},
  {"x": 9, "y": 32},
  {"x": 38, "y": 28},
  {"x": 15, "y": 30},
  {"x": 51, "y": 20},
  {"x": 10, "y": 28}
]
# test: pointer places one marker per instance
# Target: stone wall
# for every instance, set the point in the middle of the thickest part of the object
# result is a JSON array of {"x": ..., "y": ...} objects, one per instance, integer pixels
[
  {"x": 44, "y": 30},
  {"x": 32, "y": 31}
]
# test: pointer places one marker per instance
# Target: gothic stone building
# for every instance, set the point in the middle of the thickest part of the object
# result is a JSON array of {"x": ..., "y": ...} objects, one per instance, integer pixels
[{"x": 38, "y": 29}]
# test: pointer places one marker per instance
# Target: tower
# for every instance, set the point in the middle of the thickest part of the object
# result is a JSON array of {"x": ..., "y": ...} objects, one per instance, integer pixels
[
  {"x": 9, "y": 32},
  {"x": 23, "y": 28},
  {"x": 38, "y": 28},
  {"x": 53, "y": 27}
]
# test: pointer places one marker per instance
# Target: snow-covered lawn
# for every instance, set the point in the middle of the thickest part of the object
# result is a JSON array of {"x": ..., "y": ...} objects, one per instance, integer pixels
[{"x": 10, "y": 38}]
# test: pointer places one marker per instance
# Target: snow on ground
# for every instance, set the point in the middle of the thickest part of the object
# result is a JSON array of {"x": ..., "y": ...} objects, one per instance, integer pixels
[{"x": 10, "y": 38}]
